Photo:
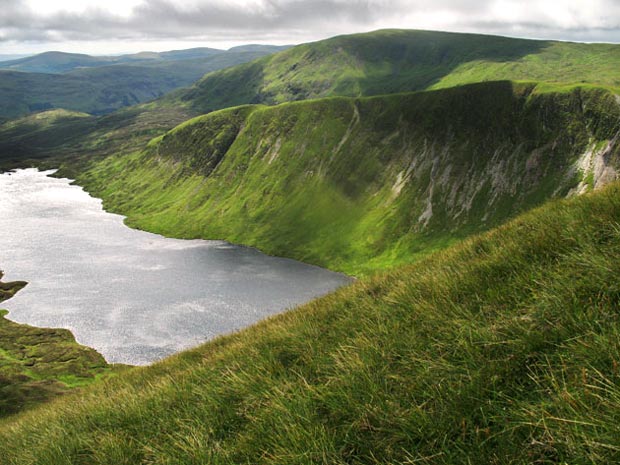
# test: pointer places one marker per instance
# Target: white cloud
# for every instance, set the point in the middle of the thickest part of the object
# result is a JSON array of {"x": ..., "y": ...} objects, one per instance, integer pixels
[
  {"x": 45, "y": 24},
  {"x": 115, "y": 7}
]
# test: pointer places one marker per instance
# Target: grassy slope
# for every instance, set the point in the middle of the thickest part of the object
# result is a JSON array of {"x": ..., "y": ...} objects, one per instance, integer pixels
[
  {"x": 391, "y": 61},
  {"x": 58, "y": 135},
  {"x": 347, "y": 183},
  {"x": 38, "y": 364},
  {"x": 502, "y": 349}
]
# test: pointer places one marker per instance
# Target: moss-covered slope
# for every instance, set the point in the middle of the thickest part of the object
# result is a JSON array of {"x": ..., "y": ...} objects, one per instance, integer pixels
[
  {"x": 361, "y": 184},
  {"x": 503, "y": 349}
]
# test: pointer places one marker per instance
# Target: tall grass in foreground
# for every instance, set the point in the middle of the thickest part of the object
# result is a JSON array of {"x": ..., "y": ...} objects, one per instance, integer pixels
[{"x": 504, "y": 349}]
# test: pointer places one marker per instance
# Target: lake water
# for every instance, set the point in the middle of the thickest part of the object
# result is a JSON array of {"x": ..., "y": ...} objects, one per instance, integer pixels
[{"x": 134, "y": 296}]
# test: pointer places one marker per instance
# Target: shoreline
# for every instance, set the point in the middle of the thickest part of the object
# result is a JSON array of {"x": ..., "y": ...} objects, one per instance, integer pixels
[
  {"x": 269, "y": 302},
  {"x": 38, "y": 364}
]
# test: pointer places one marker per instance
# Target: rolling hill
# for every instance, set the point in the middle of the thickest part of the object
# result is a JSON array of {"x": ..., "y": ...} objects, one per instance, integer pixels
[{"x": 390, "y": 61}]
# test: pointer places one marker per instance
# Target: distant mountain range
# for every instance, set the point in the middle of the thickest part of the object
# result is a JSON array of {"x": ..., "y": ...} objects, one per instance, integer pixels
[
  {"x": 61, "y": 62},
  {"x": 99, "y": 85}
]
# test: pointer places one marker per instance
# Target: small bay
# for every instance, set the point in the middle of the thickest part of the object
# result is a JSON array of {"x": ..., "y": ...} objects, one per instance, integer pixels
[{"x": 134, "y": 296}]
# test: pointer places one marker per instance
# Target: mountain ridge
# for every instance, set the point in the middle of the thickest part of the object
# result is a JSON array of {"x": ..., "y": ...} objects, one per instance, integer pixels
[
  {"x": 359, "y": 184},
  {"x": 103, "y": 89},
  {"x": 248, "y": 83},
  {"x": 389, "y": 61}
]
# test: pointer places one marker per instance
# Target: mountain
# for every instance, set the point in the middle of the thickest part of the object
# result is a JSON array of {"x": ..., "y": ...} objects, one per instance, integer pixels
[
  {"x": 360, "y": 64},
  {"x": 56, "y": 62},
  {"x": 61, "y": 62},
  {"x": 362, "y": 184},
  {"x": 259, "y": 48},
  {"x": 173, "y": 55},
  {"x": 103, "y": 89},
  {"x": 392, "y": 61},
  {"x": 502, "y": 349}
]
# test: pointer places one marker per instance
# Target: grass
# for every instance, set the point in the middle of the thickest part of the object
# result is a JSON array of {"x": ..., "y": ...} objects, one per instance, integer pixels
[
  {"x": 39, "y": 364},
  {"x": 51, "y": 137},
  {"x": 501, "y": 349},
  {"x": 347, "y": 183}
]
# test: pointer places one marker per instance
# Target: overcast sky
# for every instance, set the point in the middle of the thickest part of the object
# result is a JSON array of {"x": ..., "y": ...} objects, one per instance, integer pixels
[{"x": 120, "y": 26}]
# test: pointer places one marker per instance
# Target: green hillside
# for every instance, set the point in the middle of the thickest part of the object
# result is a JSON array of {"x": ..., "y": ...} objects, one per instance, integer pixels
[
  {"x": 456, "y": 345},
  {"x": 60, "y": 135},
  {"x": 22, "y": 139},
  {"x": 503, "y": 349},
  {"x": 360, "y": 184},
  {"x": 391, "y": 61}
]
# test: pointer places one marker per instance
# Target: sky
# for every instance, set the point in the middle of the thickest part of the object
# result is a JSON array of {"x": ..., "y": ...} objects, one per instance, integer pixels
[{"x": 126, "y": 26}]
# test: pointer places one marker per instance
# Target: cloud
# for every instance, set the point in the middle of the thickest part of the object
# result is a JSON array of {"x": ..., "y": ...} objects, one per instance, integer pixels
[{"x": 298, "y": 20}]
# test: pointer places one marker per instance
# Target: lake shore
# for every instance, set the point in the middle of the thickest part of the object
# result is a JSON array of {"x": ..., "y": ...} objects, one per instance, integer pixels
[
  {"x": 134, "y": 296},
  {"x": 38, "y": 364}
]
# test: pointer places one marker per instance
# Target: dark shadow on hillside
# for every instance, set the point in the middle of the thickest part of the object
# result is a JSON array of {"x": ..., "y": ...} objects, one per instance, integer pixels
[
  {"x": 419, "y": 59},
  {"x": 228, "y": 89}
]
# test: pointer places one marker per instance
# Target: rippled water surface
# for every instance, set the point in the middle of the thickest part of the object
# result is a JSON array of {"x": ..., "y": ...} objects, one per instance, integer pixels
[{"x": 134, "y": 296}]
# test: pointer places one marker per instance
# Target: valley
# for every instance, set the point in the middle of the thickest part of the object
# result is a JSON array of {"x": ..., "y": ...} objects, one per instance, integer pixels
[{"x": 470, "y": 183}]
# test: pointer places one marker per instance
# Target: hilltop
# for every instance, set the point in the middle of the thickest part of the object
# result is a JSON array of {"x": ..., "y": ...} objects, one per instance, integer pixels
[{"x": 61, "y": 62}]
